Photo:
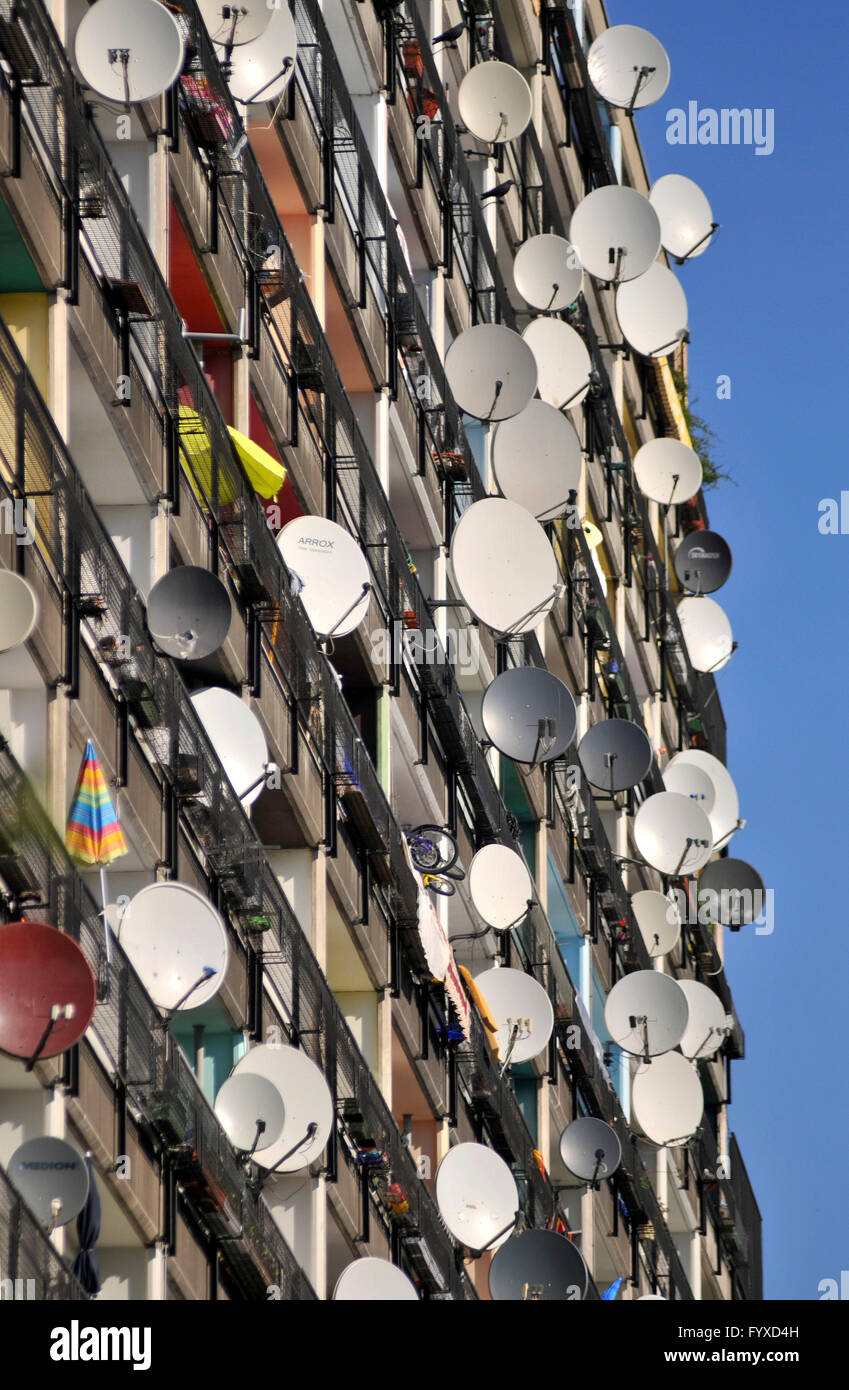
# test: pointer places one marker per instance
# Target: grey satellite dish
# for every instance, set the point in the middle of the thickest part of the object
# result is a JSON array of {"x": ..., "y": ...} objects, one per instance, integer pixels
[
  {"x": 668, "y": 471},
  {"x": 590, "y": 1149},
  {"x": 659, "y": 921},
  {"x": 237, "y": 24},
  {"x": 547, "y": 272},
  {"x": 52, "y": 1177},
  {"x": 307, "y": 1104},
  {"x": 652, "y": 312},
  {"x": 529, "y": 715},
  {"x": 731, "y": 892},
  {"x": 188, "y": 613},
  {"x": 501, "y": 886},
  {"x": 521, "y": 1009},
  {"x": 686, "y": 221},
  {"x": 372, "y": 1280},
  {"x": 477, "y": 1196},
  {"x": 667, "y": 1101},
  {"x": 673, "y": 834},
  {"x": 177, "y": 943},
  {"x": 538, "y": 1267},
  {"x": 236, "y": 735},
  {"x": 491, "y": 371},
  {"x": 615, "y": 754},
  {"x": 707, "y": 633},
  {"x": 707, "y": 1024},
  {"x": 495, "y": 102},
  {"x": 332, "y": 571},
  {"x": 536, "y": 459},
  {"x": 703, "y": 562},
  {"x": 563, "y": 363},
  {"x": 702, "y": 776},
  {"x": 616, "y": 233},
  {"x": 646, "y": 1013},
  {"x": 18, "y": 610},
  {"x": 504, "y": 567},
  {"x": 129, "y": 50},
  {"x": 251, "y": 1112},
  {"x": 628, "y": 67},
  {"x": 259, "y": 71}
]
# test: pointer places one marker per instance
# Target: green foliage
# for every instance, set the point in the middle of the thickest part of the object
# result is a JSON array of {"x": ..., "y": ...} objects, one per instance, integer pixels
[{"x": 703, "y": 437}]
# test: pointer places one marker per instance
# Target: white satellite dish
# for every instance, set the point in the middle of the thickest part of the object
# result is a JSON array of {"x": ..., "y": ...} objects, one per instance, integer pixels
[
  {"x": 547, "y": 272},
  {"x": 129, "y": 50},
  {"x": 495, "y": 102},
  {"x": 536, "y": 459},
  {"x": 667, "y": 1101},
  {"x": 477, "y": 1196},
  {"x": 646, "y": 1013},
  {"x": 652, "y": 312},
  {"x": 686, "y": 220},
  {"x": 702, "y": 776},
  {"x": 501, "y": 886},
  {"x": 659, "y": 921},
  {"x": 189, "y": 612},
  {"x": 563, "y": 363},
  {"x": 332, "y": 571},
  {"x": 237, "y": 24},
  {"x": 18, "y": 610},
  {"x": 491, "y": 371},
  {"x": 708, "y": 1024},
  {"x": 236, "y": 735},
  {"x": 261, "y": 70},
  {"x": 250, "y": 1109},
  {"x": 672, "y": 833},
  {"x": 628, "y": 67},
  {"x": 52, "y": 1177},
  {"x": 529, "y": 715},
  {"x": 307, "y": 1104},
  {"x": 177, "y": 944},
  {"x": 668, "y": 471},
  {"x": 590, "y": 1149},
  {"x": 616, "y": 233},
  {"x": 707, "y": 633},
  {"x": 504, "y": 567},
  {"x": 522, "y": 1010},
  {"x": 372, "y": 1280}
]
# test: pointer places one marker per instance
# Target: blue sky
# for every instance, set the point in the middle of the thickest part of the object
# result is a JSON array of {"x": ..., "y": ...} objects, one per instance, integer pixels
[{"x": 768, "y": 306}]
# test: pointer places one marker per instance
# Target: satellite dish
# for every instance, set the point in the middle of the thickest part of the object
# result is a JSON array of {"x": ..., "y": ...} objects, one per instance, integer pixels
[
  {"x": 616, "y": 233},
  {"x": 236, "y": 24},
  {"x": 547, "y": 272},
  {"x": 628, "y": 67},
  {"x": 615, "y": 755},
  {"x": 236, "y": 735},
  {"x": 500, "y": 886},
  {"x": 477, "y": 1195},
  {"x": 702, "y": 776},
  {"x": 332, "y": 571},
  {"x": 177, "y": 943},
  {"x": 731, "y": 892},
  {"x": 686, "y": 219},
  {"x": 707, "y": 633},
  {"x": 188, "y": 612},
  {"x": 491, "y": 371},
  {"x": 707, "y": 1026},
  {"x": 18, "y": 610},
  {"x": 250, "y": 1109},
  {"x": 703, "y": 562},
  {"x": 371, "y": 1280},
  {"x": 262, "y": 69},
  {"x": 495, "y": 102},
  {"x": 668, "y": 471},
  {"x": 673, "y": 834},
  {"x": 504, "y": 567},
  {"x": 646, "y": 1013},
  {"x": 536, "y": 460},
  {"x": 652, "y": 312},
  {"x": 659, "y": 922},
  {"x": 538, "y": 1267},
  {"x": 47, "y": 990},
  {"x": 590, "y": 1149},
  {"x": 522, "y": 1010},
  {"x": 563, "y": 362},
  {"x": 129, "y": 50},
  {"x": 529, "y": 715},
  {"x": 52, "y": 1177},
  {"x": 307, "y": 1104},
  {"x": 667, "y": 1101}
]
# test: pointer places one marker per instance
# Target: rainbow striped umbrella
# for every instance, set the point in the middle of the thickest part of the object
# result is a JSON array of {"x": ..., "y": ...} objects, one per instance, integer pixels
[{"x": 93, "y": 835}]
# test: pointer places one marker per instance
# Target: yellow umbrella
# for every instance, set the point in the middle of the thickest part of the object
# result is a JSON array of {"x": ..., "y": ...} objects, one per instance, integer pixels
[{"x": 265, "y": 474}]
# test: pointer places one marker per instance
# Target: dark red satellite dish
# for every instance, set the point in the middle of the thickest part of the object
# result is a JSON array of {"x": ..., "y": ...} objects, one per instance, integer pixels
[{"x": 47, "y": 991}]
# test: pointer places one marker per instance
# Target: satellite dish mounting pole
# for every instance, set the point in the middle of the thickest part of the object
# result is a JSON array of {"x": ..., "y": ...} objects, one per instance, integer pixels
[
  {"x": 57, "y": 1011},
  {"x": 714, "y": 227},
  {"x": 122, "y": 56},
  {"x": 643, "y": 75}
]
